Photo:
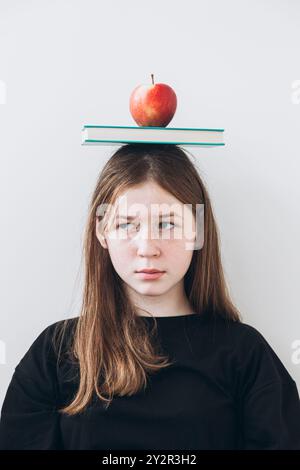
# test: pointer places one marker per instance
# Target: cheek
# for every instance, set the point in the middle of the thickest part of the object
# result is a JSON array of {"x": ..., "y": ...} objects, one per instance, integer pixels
[
  {"x": 174, "y": 252},
  {"x": 177, "y": 254},
  {"x": 120, "y": 254}
]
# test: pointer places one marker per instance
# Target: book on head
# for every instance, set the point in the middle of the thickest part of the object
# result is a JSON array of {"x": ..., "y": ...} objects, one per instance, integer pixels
[{"x": 116, "y": 135}]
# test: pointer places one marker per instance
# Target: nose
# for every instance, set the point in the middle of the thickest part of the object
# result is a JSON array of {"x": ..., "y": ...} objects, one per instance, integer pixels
[{"x": 146, "y": 243}]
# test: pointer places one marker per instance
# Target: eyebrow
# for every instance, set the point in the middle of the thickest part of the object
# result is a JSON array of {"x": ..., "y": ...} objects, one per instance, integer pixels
[{"x": 132, "y": 217}]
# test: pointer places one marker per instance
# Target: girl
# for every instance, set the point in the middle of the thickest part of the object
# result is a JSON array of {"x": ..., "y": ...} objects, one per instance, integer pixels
[{"x": 153, "y": 361}]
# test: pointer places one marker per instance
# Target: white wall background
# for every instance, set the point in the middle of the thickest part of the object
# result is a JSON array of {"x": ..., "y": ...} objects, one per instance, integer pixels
[{"x": 66, "y": 63}]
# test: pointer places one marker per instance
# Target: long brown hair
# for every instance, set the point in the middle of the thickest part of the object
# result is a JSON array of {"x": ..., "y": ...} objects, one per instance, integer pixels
[{"x": 112, "y": 347}]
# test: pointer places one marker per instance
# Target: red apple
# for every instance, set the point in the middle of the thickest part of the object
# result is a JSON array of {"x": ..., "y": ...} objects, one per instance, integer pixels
[{"x": 153, "y": 105}]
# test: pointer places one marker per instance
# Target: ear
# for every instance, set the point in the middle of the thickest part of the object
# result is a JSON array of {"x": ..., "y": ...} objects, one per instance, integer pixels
[{"x": 100, "y": 235}]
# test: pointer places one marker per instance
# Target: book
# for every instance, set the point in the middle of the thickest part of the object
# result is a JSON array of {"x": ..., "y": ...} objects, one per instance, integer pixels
[{"x": 116, "y": 135}]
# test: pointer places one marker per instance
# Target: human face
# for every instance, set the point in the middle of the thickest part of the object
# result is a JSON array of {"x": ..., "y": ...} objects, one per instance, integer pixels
[{"x": 165, "y": 244}]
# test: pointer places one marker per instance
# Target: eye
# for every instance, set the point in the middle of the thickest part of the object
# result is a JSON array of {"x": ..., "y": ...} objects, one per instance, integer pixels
[
  {"x": 126, "y": 223},
  {"x": 168, "y": 223},
  {"x": 119, "y": 225}
]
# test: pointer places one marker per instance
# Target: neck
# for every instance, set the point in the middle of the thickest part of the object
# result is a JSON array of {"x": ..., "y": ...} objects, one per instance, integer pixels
[{"x": 171, "y": 303}]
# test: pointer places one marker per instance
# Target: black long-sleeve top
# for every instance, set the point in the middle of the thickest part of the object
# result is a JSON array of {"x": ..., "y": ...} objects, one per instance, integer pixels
[{"x": 226, "y": 389}]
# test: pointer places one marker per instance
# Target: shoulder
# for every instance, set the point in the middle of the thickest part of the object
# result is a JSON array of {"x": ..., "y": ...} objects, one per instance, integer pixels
[
  {"x": 251, "y": 354},
  {"x": 248, "y": 340},
  {"x": 245, "y": 336},
  {"x": 235, "y": 333},
  {"x": 256, "y": 362},
  {"x": 42, "y": 353},
  {"x": 239, "y": 334}
]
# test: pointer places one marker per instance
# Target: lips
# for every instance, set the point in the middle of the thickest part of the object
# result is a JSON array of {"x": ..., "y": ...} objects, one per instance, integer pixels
[
  {"x": 149, "y": 271},
  {"x": 149, "y": 276}
]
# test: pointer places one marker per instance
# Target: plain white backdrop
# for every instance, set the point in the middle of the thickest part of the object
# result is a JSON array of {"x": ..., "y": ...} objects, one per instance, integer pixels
[{"x": 66, "y": 63}]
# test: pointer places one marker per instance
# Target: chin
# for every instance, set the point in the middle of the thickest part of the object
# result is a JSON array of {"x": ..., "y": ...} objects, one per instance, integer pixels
[{"x": 149, "y": 290}]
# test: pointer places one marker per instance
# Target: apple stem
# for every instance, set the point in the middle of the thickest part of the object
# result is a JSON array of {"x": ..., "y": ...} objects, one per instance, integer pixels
[{"x": 152, "y": 77}]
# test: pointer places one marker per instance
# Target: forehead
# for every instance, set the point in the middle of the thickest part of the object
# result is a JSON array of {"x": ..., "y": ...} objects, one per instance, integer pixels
[
  {"x": 145, "y": 195},
  {"x": 148, "y": 200}
]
